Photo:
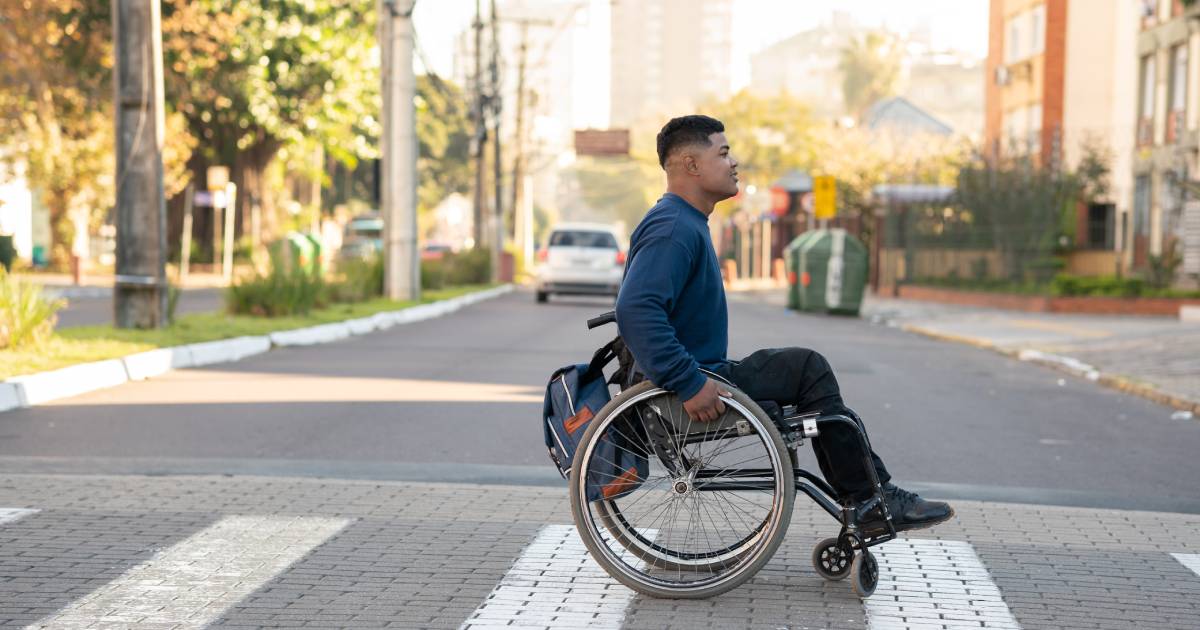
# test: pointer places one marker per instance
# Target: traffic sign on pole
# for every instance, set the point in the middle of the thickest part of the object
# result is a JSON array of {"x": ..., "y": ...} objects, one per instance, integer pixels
[{"x": 825, "y": 197}]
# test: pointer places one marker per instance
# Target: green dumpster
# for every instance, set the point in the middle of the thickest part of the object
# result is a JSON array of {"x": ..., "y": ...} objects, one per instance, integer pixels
[
  {"x": 831, "y": 271},
  {"x": 7, "y": 251},
  {"x": 317, "y": 263},
  {"x": 791, "y": 261}
]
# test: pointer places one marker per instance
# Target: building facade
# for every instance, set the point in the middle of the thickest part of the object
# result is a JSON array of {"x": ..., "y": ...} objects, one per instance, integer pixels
[
  {"x": 1060, "y": 85},
  {"x": 668, "y": 56},
  {"x": 1166, "y": 171}
]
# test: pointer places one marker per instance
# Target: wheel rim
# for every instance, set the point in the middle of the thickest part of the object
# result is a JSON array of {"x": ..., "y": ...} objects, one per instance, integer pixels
[
  {"x": 692, "y": 522},
  {"x": 835, "y": 560}
]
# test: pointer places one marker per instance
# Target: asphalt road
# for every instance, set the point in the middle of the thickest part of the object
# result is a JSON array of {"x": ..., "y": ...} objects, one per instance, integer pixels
[
  {"x": 458, "y": 398},
  {"x": 87, "y": 311}
]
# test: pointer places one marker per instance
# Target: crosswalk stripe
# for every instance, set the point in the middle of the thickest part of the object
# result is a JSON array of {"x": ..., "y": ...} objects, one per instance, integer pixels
[
  {"x": 1189, "y": 560},
  {"x": 193, "y": 582},
  {"x": 554, "y": 583},
  {"x": 934, "y": 584},
  {"x": 9, "y": 515}
]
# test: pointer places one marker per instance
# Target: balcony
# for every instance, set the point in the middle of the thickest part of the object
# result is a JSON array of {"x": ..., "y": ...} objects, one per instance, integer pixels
[
  {"x": 1145, "y": 132},
  {"x": 1175, "y": 122}
]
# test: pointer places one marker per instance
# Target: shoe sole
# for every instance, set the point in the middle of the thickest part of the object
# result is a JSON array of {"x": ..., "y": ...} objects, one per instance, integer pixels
[{"x": 926, "y": 524}]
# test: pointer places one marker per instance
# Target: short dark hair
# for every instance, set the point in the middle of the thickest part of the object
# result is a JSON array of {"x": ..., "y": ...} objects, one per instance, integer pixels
[{"x": 685, "y": 130}]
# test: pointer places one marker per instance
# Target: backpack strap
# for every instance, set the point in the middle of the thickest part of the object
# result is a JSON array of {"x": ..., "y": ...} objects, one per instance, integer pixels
[{"x": 602, "y": 357}]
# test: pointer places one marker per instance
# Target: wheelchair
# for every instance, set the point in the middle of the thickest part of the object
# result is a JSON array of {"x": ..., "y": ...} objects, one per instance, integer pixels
[{"x": 708, "y": 503}]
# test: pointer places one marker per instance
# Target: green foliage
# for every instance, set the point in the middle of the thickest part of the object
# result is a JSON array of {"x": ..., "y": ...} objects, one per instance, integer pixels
[
  {"x": 1019, "y": 208},
  {"x": 287, "y": 289},
  {"x": 1162, "y": 268},
  {"x": 443, "y": 142},
  {"x": 26, "y": 317},
  {"x": 1109, "y": 286},
  {"x": 255, "y": 78},
  {"x": 358, "y": 280},
  {"x": 870, "y": 67},
  {"x": 56, "y": 111},
  {"x": 468, "y": 267}
]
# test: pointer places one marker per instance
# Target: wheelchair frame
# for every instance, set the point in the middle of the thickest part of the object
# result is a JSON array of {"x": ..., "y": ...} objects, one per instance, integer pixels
[{"x": 863, "y": 524}]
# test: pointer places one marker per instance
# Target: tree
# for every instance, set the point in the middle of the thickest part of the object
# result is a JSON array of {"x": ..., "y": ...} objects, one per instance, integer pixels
[
  {"x": 1020, "y": 206},
  {"x": 870, "y": 67},
  {"x": 443, "y": 141},
  {"x": 255, "y": 77},
  {"x": 769, "y": 136},
  {"x": 56, "y": 110}
]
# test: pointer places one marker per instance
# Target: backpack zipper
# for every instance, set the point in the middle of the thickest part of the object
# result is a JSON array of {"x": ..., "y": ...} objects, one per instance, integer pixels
[{"x": 567, "y": 391}]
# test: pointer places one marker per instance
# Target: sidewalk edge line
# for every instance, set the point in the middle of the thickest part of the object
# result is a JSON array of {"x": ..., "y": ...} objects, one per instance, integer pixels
[
  {"x": 65, "y": 382},
  {"x": 1070, "y": 366}
]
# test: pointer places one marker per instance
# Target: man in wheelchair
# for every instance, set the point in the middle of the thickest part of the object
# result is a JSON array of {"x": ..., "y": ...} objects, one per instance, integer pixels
[{"x": 672, "y": 314}]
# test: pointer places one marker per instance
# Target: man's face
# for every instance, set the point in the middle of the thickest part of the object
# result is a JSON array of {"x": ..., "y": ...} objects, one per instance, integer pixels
[{"x": 718, "y": 168}]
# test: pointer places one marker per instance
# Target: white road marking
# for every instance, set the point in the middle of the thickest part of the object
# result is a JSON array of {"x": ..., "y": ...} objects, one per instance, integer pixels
[
  {"x": 555, "y": 583},
  {"x": 934, "y": 584},
  {"x": 9, "y": 515},
  {"x": 1189, "y": 560},
  {"x": 193, "y": 582}
]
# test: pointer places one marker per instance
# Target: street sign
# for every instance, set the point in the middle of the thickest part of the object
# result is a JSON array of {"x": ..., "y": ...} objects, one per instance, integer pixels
[
  {"x": 824, "y": 197},
  {"x": 606, "y": 142}
]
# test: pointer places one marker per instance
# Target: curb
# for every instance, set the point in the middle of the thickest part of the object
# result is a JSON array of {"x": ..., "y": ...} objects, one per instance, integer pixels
[
  {"x": 36, "y": 389},
  {"x": 1070, "y": 365}
]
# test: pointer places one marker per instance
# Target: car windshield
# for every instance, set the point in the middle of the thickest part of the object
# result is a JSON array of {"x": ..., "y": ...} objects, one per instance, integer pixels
[
  {"x": 581, "y": 238},
  {"x": 369, "y": 228}
]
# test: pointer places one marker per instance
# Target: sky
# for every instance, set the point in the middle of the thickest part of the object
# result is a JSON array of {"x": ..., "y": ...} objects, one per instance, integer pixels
[{"x": 957, "y": 24}]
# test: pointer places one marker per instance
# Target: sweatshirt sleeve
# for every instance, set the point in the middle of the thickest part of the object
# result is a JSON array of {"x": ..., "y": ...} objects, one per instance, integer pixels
[{"x": 652, "y": 285}]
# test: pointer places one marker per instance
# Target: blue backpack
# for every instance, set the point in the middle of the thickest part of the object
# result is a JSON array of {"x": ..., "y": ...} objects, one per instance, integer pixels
[{"x": 574, "y": 395}]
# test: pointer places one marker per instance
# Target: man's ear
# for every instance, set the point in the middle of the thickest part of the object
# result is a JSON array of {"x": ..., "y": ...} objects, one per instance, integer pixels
[{"x": 689, "y": 164}]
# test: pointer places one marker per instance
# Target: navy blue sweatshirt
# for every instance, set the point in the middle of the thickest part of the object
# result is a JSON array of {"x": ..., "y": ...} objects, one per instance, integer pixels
[{"x": 671, "y": 309}]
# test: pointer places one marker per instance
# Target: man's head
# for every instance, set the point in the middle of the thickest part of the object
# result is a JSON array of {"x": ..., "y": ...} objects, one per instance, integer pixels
[{"x": 694, "y": 152}]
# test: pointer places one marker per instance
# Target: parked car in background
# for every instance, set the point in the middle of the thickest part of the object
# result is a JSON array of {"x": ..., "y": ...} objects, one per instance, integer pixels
[
  {"x": 363, "y": 237},
  {"x": 580, "y": 259}
]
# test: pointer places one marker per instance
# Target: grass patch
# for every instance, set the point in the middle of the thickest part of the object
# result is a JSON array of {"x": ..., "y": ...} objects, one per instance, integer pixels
[{"x": 84, "y": 344}]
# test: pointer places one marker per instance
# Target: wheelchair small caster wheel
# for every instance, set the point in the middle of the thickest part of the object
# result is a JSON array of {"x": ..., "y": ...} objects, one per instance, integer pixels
[
  {"x": 866, "y": 574},
  {"x": 831, "y": 560}
]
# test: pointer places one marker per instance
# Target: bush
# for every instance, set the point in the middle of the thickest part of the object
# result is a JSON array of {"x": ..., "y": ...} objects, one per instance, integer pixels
[
  {"x": 1066, "y": 285},
  {"x": 473, "y": 266},
  {"x": 358, "y": 280},
  {"x": 286, "y": 290},
  {"x": 27, "y": 318}
]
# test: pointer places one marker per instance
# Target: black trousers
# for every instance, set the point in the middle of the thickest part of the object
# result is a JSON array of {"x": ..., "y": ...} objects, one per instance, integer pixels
[{"x": 802, "y": 377}]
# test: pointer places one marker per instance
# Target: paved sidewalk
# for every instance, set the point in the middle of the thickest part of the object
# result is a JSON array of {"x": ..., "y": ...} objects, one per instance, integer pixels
[
  {"x": 1154, "y": 357},
  {"x": 245, "y": 552}
]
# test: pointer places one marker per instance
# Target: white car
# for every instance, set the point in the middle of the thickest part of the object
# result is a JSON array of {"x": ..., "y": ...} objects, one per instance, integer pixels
[{"x": 580, "y": 259}]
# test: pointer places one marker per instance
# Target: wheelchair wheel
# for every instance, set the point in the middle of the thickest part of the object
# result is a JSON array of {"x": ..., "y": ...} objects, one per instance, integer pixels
[
  {"x": 831, "y": 559},
  {"x": 681, "y": 509},
  {"x": 865, "y": 572}
]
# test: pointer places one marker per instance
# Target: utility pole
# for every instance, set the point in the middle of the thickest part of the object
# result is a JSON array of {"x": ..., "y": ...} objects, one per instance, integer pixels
[
  {"x": 402, "y": 278},
  {"x": 498, "y": 211},
  {"x": 480, "y": 138},
  {"x": 522, "y": 216},
  {"x": 140, "y": 291}
]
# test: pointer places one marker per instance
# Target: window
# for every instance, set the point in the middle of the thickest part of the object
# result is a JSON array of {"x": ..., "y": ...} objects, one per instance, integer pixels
[
  {"x": 1147, "y": 102},
  {"x": 580, "y": 238},
  {"x": 1100, "y": 226},
  {"x": 1179, "y": 61},
  {"x": 1037, "y": 19},
  {"x": 1034, "y": 128},
  {"x": 1012, "y": 48}
]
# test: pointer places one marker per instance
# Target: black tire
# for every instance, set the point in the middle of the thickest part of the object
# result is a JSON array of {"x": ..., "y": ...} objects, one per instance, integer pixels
[
  {"x": 865, "y": 572},
  {"x": 831, "y": 560},
  {"x": 542, "y": 296},
  {"x": 666, "y": 567}
]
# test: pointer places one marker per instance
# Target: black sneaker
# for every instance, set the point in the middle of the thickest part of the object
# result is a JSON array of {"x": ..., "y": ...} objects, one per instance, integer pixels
[{"x": 910, "y": 511}]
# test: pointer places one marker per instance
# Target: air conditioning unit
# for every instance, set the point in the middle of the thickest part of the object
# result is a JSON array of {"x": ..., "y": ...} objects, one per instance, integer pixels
[{"x": 1003, "y": 76}]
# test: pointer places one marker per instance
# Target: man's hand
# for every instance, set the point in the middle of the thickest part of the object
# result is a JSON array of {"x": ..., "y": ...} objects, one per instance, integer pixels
[{"x": 706, "y": 405}]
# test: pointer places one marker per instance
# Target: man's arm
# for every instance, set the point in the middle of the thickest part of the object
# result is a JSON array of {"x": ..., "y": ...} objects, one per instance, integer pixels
[{"x": 653, "y": 282}]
